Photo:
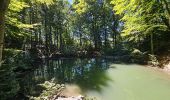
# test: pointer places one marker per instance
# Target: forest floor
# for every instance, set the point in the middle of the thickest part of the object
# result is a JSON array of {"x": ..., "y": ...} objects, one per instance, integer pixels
[
  {"x": 55, "y": 91},
  {"x": 70, "y": 92},
  {"x": 164, "y": 68},
  {"x": 164, "y": 61}
]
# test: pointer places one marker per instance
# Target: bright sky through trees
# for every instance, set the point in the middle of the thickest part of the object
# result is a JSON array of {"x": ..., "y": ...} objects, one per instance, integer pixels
[{"x": 71, "y": 1}]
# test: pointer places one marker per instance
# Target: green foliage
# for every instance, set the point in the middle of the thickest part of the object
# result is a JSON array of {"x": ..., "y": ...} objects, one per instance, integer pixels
[
  {"x": 58, "y": 25},
  {"x": 14, "y": 60},
  {"x": 153, "y": 60},
  {"x": 138, "y": 56},
  {"x": 17, "y": 59},
  {"x": 15, "y": 27},
  {"x": 80, "y": 7},
  {"x": 51, "y": 90},
  {"x": 95, "y": 22},
  {"x": 108, "y": 51},
  {"x": 46, "y": 2},
  {"x": 70, "y": 50},
  {"x": 15, "y": 8},
  {"x": 144, "y": 22},
  {"x": 87, "y": 27},
  {"x": 138, "y": 15},
  {"x": 9, "y": 86}
]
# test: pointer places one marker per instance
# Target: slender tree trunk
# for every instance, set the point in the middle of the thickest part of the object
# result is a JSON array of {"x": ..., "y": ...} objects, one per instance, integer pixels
[
  {"x": 105, "y": 33},
  {"x": 2, "y": 30},
  {"x": 24, "y": 21},
  {"x": 115, "y": 39},
  {"x": 46, "y": 31},
  {"x": 57, "y": 39},
  {"x": 94, "y": 33},
  {"x": 3, "y": 7},
  {"x": 152, "y": 47},
  {"x": 39, "y": 37},
  {"x": 166, "y": 6},
  {"x": 99, "y": 43},
  {"x": 30, "y": 22},
  {"x": 113, "y": 42},
  {"x": 80, "y": 36},
  {"x": 80, "y": 39},
  {"x": 61, "y": 40},
  {"x": 50, "y": 39},
  {"x": 35, "y": 21},
  {"x": 105, "y": 28},
  {"x": 55, "y": 35}
]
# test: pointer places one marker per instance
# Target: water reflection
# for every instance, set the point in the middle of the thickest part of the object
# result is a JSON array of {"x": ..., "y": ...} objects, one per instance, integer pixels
[{"x": 88, "y": 74}]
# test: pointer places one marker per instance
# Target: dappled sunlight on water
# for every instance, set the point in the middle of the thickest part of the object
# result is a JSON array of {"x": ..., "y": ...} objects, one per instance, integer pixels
[
  {"x": 135, "y": 82},
  {"x": 88, "y": 74}
]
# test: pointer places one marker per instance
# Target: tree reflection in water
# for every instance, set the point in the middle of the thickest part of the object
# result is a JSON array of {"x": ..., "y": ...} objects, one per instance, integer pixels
[{"x": 88, "y": 74}]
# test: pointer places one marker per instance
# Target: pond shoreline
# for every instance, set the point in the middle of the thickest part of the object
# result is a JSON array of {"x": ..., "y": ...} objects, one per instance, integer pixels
[
  {"x": 165, "y": 69},
  {"x": 93, "y": 61}
]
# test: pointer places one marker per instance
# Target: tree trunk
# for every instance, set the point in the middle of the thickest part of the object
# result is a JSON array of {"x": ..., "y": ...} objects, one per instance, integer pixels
[
  {"x": 61, "y": 40},
  {"x": 46, "y": 30},
  {"x": 152, "y": 48},
  {"x": 57, "y": 39},
  {"x": 115, "y": 39},
  {"x": 167, "y": 8},
  {"x": 80, "y": 37},
  {"x": 39, "y": 37},
  {"x": 105, "y": 27},
  {"x": 3, "y": 7}
]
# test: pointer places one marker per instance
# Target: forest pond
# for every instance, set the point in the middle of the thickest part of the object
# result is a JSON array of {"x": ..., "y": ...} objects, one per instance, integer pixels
[{"x": 100, "y": 78}]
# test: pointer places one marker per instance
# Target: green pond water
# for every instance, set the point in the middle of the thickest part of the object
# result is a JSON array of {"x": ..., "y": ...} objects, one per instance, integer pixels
[{"x": 101, "y": 78}]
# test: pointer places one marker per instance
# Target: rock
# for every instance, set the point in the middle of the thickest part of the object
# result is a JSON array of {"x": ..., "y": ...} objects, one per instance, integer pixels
[
  {"x": 62, "y": 85},
  {"x": 80, "y": 97}
]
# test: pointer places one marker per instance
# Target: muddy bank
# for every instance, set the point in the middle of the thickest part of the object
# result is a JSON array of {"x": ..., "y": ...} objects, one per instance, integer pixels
[{"x": 165, "y": 69}]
